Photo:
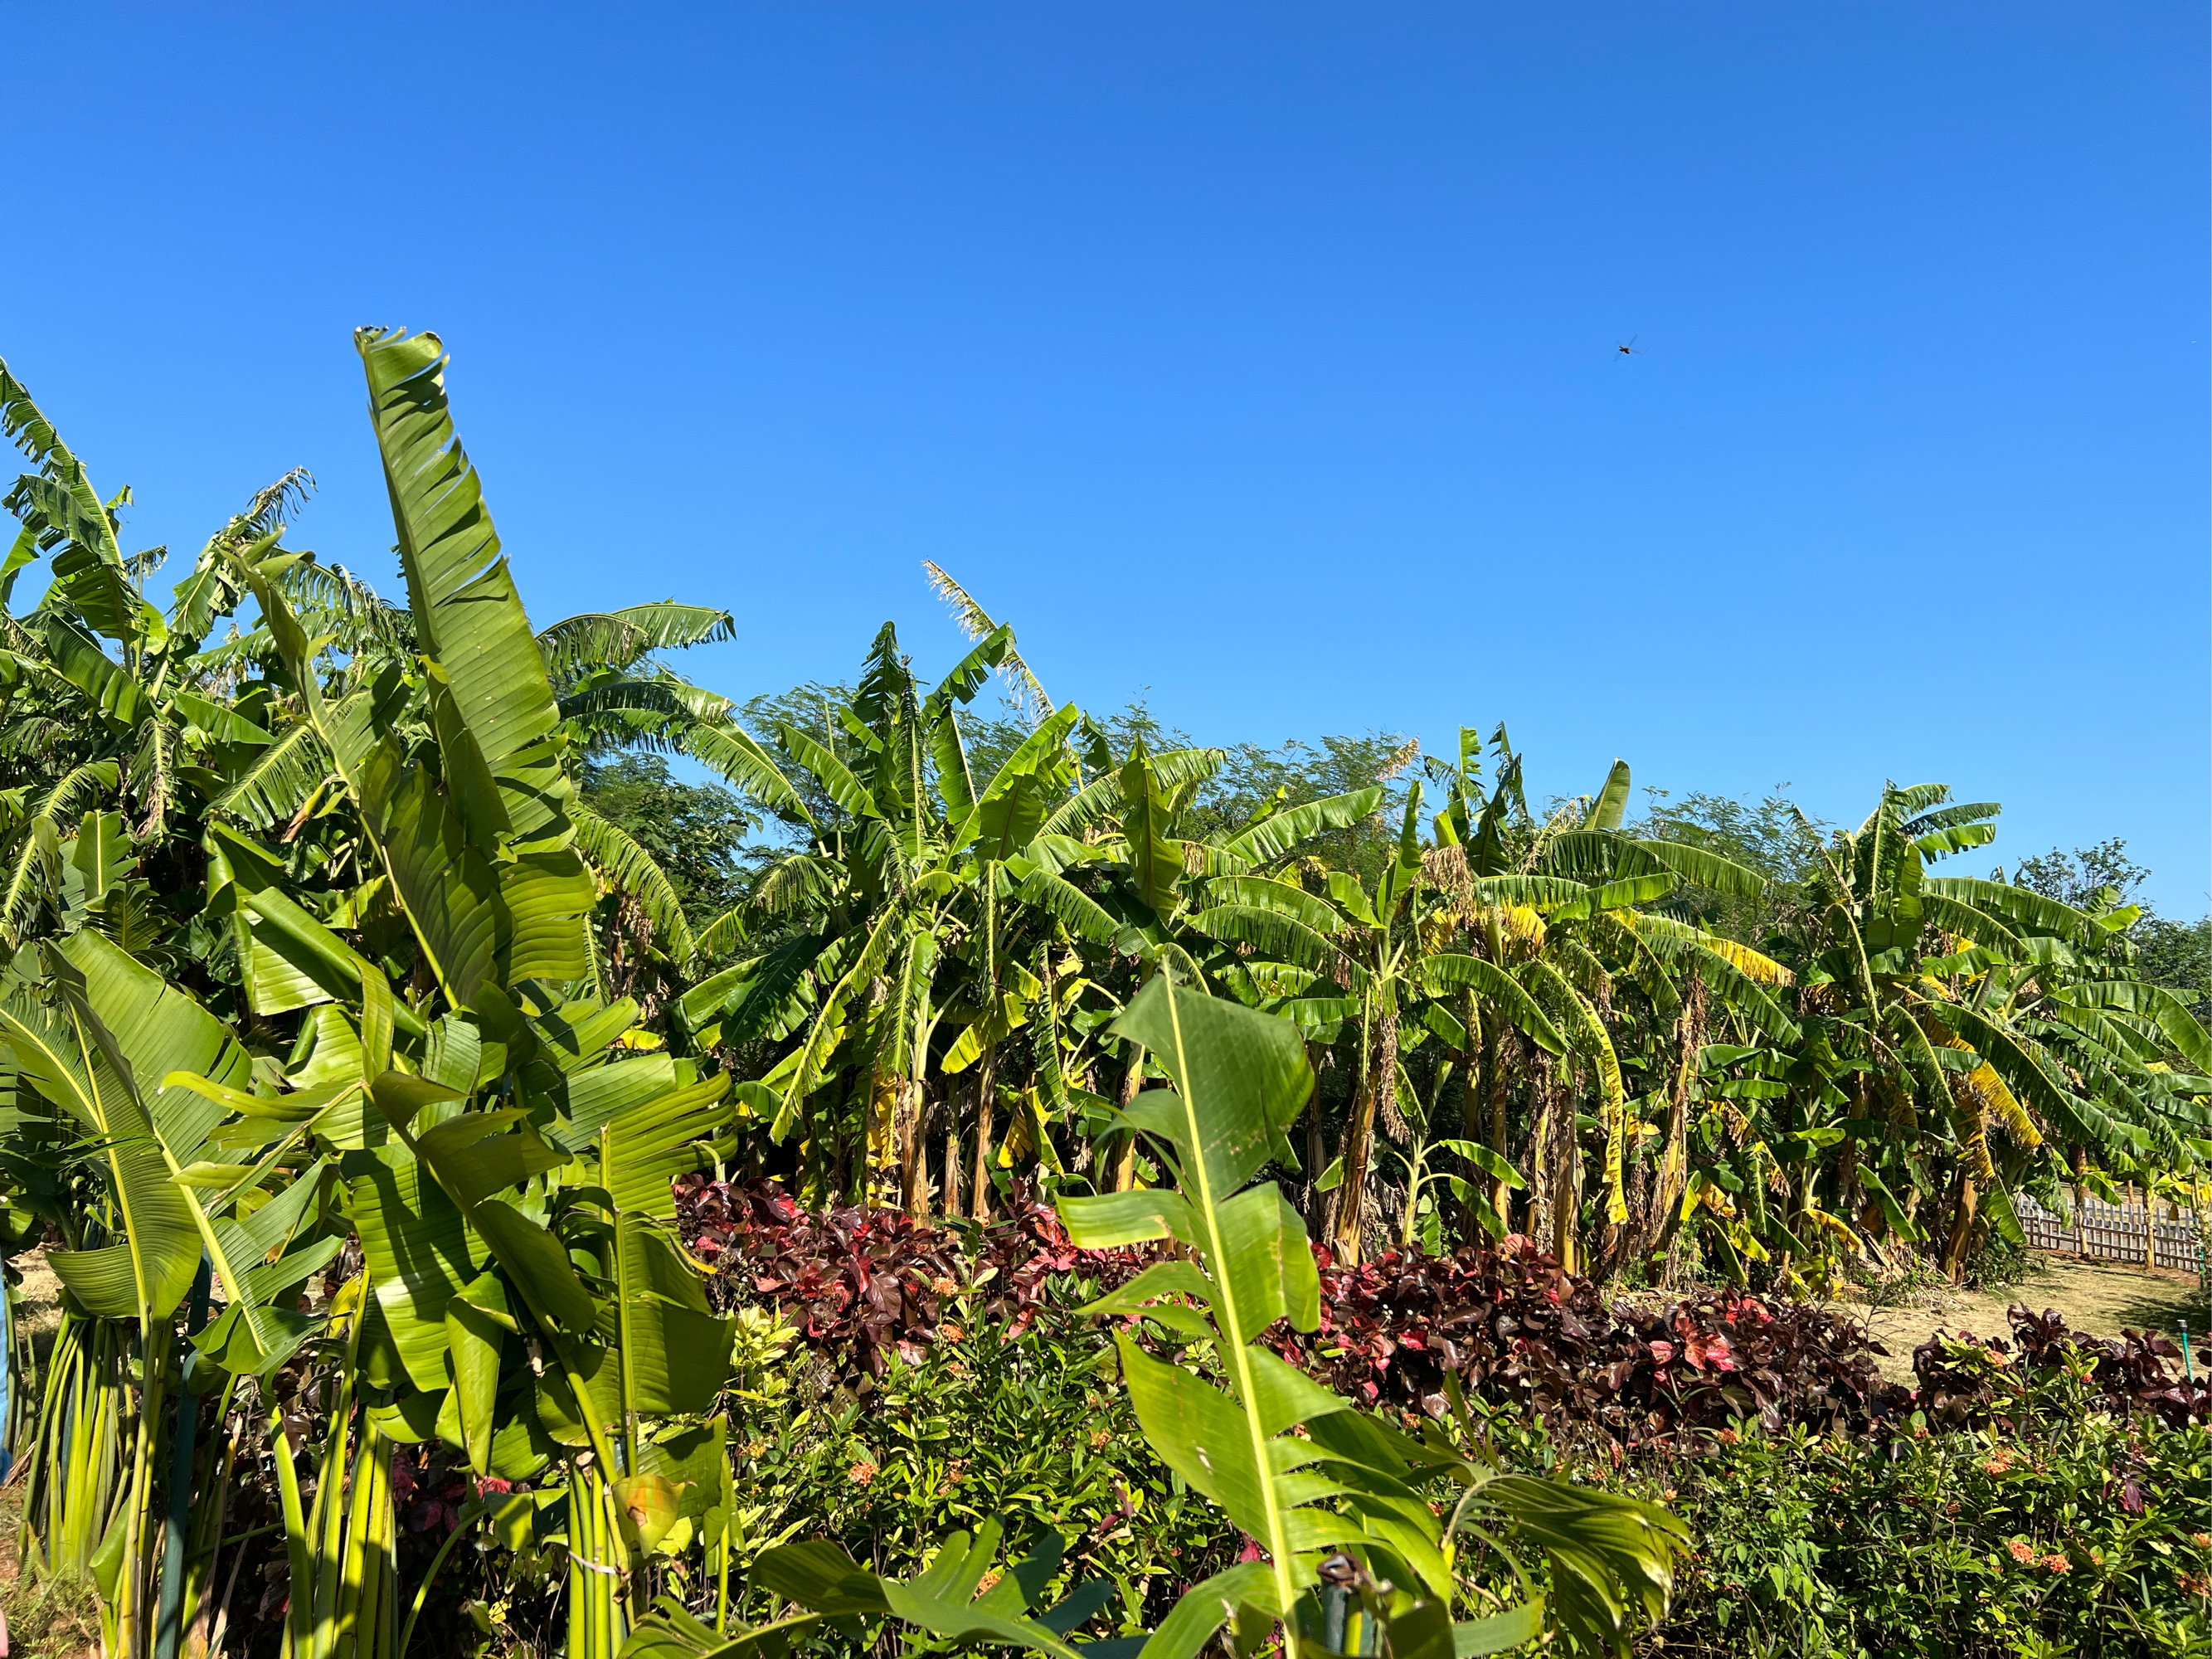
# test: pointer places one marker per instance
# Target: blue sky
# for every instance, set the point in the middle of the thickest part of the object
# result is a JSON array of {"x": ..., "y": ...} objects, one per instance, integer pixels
[{"x": 1258, "y": 362}]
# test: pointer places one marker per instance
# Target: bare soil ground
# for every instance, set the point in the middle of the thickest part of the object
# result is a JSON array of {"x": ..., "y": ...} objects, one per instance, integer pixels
[
  {"x": 40, "y": 1621},
  {"x": 2100, "y": 1298},
  {"x": 40, "y": 1303}
]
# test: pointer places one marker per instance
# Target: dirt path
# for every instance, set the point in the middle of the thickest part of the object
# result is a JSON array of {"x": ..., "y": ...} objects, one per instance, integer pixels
[
  {"x": 39, "y": 1301},
  {"x": 2100, "y": 1298}
]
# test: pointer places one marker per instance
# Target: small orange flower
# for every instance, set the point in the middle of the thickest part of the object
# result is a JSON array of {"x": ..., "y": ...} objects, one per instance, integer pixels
[
  {"x": 948, "y": 1331},
  {"x": 2058, "y": 1563},
  {"x": 2021, "y": 1552},
  {"x": 1726, "y": 1437},
  {"x": 2203, "y": 1540},
  {"x": 944, "y": 1287},
  {"x": 1098, "y": 1440},
  {"x": 1998, "y": 1465},
  {"x": 862, "y": 1473}
]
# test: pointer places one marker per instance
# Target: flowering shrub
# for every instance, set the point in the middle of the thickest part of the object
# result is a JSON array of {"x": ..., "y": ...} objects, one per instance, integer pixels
[{"x": 2072, "y": 1527}]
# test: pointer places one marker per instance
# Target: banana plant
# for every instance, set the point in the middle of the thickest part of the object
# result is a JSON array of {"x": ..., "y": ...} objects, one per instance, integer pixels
[
  {"x": 107, "y": 702},
  {"x": 179, "y": 730},
  {"x": 910, "y": 887},
  {"x": 500, "y": 1140},
  {"x": 1946, "y": 1038},
  {"x": 1422, "y": 1221},
  {"x": 1380, "y": 947},
  {"x": 1334, "y": 1498},
  {"x": 1971, "y": 1007},
  {"x": 156, "y": 1087},
  {"x": 452, "y": 1109},
  {"x": 1569, "y": 915}
]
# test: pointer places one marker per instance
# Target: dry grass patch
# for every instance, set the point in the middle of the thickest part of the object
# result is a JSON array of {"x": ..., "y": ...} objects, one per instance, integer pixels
[{"x": 2097, "y": 1298}]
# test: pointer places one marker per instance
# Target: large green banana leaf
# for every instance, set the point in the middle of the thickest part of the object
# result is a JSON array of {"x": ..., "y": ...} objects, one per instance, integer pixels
[
  {"x": 152, "y": 1075},
  {"x": 469, "y": 619}
]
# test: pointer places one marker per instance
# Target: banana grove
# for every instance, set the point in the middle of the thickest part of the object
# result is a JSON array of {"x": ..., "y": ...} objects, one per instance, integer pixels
[{"x": 349, "y": 1052}]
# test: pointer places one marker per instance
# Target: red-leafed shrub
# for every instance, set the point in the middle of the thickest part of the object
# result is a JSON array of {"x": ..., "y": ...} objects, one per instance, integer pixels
[
  {"x": 1506, "y": 1323},
  {"x": 1512, "y": 1328},
  {"x": 1965, "y": 1382},
  {"x": 863, "y": 1284}
]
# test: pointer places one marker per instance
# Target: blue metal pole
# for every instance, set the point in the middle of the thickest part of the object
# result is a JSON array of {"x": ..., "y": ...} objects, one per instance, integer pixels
[{"x": 7, "y": 1379}]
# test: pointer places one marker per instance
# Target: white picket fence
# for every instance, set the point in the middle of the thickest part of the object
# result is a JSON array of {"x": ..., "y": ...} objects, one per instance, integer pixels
[{"x": 2114, "y": 1232}]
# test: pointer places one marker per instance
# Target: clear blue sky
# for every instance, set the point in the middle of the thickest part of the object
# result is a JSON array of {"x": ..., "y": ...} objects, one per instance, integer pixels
[{"x": 1256, "y": 360}]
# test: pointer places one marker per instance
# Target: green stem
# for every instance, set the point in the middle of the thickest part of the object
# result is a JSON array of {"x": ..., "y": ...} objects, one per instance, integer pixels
[
  {"x": 423, "y": 1595},
  {"x": 295, "y": 1540},
  {"x": 721, "y": 1582},
  {"x": 168, "y": 1614}
]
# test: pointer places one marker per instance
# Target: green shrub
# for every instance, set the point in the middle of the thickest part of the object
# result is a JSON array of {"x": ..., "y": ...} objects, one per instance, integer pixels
[
  {"x": 1036, "y": 1429},
  {"x": 2001, "y": 1265},
  {"x": 1810, "y": 1545},
  {"x": 2060, "y": 1531}
]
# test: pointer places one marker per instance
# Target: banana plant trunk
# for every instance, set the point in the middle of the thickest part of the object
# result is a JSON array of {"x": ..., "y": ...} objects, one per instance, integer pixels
[
  {"x": 954, "y": 1179},
  {"x": 1317, "y": 1147},
  {"x": 1664, "y": 1216},
  {"x": 1378, "y": 1093},
  {"x": 598, "y": 1623},
  {"x": 1480, "y": 1069},
  {"x": 182, "y": 1436},
  {"x": 1125, "y": 1149},
  {"x": 1494, "y": 1079},
  {"x": 125, "y": 1615},
  {"x": 1964, "y": 1203},
  {"x": 1132, "y": 1080},
  {"x": 1566, "y": 1180},
  {"x": 979, "y": 1195},
  {"x": 1536, "y": 1214},
  {"x": 911, "y": 1130},
  {"x": 1847, "y": 1179}
]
